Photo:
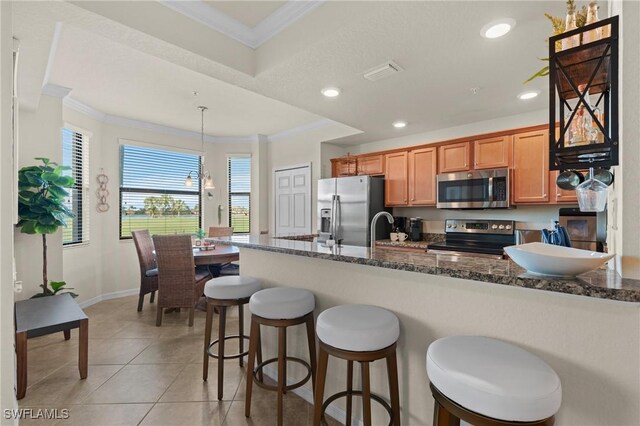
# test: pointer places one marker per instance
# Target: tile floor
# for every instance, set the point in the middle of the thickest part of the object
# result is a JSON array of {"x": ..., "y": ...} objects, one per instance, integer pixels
[{"x": 143, "y": 374}]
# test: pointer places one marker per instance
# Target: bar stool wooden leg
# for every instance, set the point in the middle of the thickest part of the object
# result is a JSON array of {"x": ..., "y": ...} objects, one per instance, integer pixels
[
  {"x": 282, "y": 380},
  {"x": 394, "y": 393},
  {"x": 442, "y": 417},
  {"x": 311, "y": 338},
  {"x": 349, "y": 390},
  {"x": 221, "y": 332},
  {"x": 153, "y": 297},
  {"x": 207, "y": 341},
  {"x": 254, "y": 342},
  {"x": 366, "y": 394},
  {"x": 259, "y": 351},
  {"x": 241, "y": 332},
  {"x": 323, "y": 360}
]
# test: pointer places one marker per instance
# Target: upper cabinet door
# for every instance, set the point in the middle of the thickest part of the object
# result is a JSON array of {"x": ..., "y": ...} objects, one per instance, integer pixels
[
  {"x": 343, "y": 167},
  {"x": 492, "y": 153},
  {"x": 559, "y": 195},
  {"x": 454, "y": 157},
  {"x": 371, "y": 164},
  {"x": 395, "y": 182},
  {"x": 422, "y": 177},
  {"x": 531, "y": 167}
]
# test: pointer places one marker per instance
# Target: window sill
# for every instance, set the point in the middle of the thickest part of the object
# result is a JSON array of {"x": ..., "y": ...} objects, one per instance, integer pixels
[{"x": 76, "y": 245}]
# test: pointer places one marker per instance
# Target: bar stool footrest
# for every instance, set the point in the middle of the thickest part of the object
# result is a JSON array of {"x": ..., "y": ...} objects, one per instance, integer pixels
[
  {"x": 296, "y": 385},
  {"x": 343, "y": 394},
  {"x": 234, "y": 356}
]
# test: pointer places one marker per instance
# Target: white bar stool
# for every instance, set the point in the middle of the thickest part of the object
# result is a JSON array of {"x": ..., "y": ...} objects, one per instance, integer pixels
[
  {"x": 221, "y": 293},
  {"x": 488, "y": 382},
  {"x": 281, "y": 308},
  {"x": 361, "y": 333}
]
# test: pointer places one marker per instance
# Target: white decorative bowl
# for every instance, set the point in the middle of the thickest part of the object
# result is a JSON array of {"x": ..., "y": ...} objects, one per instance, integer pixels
[{"x": 549, "y": 259}]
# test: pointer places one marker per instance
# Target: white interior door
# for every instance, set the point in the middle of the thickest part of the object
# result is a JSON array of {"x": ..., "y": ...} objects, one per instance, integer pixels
[{"x": 292, "y": 192}]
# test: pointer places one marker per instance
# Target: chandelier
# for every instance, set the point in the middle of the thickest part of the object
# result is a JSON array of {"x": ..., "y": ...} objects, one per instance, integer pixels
[{"x": 202, "y": 174}]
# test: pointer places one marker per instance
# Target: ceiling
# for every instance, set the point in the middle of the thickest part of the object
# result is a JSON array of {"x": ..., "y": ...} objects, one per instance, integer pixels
[
  {"x": 278, "y": 83},
  {"x": 118, "y": 80},
  {"x": 249, "y": 13}
]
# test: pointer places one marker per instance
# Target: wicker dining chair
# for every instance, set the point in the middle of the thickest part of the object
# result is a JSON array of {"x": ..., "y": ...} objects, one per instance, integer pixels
[
  {"x": 226, "y": 269},
  {"x": 179, "y": 284},
  {"x": 220, "y": 231},
  {"x": 148, "y": 267}
]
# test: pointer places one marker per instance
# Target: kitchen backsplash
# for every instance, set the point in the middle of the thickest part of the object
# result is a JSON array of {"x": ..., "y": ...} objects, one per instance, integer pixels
[{"x": 526, "y": 217}]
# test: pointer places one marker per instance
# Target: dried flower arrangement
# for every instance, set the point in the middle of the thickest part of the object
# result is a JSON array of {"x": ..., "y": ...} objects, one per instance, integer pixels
[{"x": 558, "y": 25}]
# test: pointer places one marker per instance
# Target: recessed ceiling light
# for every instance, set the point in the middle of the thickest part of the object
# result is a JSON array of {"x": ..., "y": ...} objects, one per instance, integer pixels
[
  {"x": 497, "y": 28},
  {"x": 330, "y": 92},
  {"x": 399, "y": 124},
  {"x": 530, "y": 94}
]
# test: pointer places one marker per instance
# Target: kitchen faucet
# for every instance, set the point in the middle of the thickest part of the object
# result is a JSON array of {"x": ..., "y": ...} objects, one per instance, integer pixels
[{"x": 373, "y": 226}]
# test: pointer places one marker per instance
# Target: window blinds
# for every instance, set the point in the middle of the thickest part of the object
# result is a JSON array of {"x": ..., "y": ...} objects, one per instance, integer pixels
[
  {"x": 239, "y": 178},
  {"x": 75, "y": 154},
  {"x": 153, "y": 194}
]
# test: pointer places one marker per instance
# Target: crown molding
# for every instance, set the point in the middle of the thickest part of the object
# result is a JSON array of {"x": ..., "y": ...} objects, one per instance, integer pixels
[
  {"x": 211, "y": 17},
  {"x": 55, "y": 91},
  {"x": 85, "y": 109},
  {"x": 283, "y": 17}
]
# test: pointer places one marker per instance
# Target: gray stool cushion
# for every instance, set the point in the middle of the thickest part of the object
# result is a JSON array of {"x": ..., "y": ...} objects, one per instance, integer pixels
[
  {"x": 358, "y": 328},
  {"x": 231, "y": 287},
  {"x": 494, "y": 378},
  {"x": 282, "y": 303}
]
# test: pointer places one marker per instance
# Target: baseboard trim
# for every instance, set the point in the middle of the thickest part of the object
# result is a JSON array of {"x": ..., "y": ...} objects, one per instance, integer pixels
[
  {"x": 109, "y": 296},
  {"x": 332, "y": 410}
]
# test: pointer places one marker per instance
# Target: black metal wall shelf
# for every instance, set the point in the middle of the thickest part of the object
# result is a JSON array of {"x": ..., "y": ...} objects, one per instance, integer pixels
[{"x": 592, "y": 69}]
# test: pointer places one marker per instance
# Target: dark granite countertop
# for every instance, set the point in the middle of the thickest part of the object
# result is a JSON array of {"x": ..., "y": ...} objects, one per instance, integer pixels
[
  {"x": 600, "y": 283},
  {"x": 427, "y": 239}
]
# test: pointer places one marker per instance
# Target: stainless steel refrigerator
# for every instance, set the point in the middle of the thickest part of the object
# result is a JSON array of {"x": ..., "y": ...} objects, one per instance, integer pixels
[{"x": 346, "y": 206}]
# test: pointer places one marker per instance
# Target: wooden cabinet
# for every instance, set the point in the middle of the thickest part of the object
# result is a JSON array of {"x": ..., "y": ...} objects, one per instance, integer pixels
[
  {"x": 371, "y": 164},
  {"x": 454, "y": 157},
  {"x": 531, "y": 167},
  {"x": 492, "y": 153},
  {"x": 396, "y": 183},
  {"x": 559, "y": 195},
  {"x": 422, "y": 176},
  {"x": 343, "y": 167}
]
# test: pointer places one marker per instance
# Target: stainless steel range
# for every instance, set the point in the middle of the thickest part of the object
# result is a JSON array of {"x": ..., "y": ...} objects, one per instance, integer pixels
[{"x": 468, "y": 237}]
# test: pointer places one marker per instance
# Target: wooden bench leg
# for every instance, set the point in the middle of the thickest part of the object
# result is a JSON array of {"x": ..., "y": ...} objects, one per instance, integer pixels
[
  {"x": 349, "y": 390},
  {"x": 83, "y": 356},
  {"x": 254, "y": 342},
  {"x": 366, "y": 394},
  {"x": 241, "y": 333},
  {"x": 21, "y": 355},
  {"x": 321, "y": 376},
  {"x": 282, "y": 379},
  {"x": 222, "y": 325}
]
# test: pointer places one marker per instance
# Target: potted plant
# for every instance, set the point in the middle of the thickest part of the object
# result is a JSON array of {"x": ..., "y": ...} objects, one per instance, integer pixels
[
  {"x": 200, "y": 235},
  {"x": 41, "y": 209}
]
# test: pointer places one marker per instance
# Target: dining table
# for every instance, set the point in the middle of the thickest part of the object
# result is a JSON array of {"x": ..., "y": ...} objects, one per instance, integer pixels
[{"x": 218, "y": 255}]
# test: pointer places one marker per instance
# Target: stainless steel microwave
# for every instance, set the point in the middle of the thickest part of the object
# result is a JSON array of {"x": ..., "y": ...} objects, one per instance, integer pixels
[{"x": 478, "y": 189}]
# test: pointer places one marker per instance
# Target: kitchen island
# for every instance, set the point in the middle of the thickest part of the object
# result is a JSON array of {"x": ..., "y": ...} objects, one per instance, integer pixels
[{"x": 586, "y": 329}]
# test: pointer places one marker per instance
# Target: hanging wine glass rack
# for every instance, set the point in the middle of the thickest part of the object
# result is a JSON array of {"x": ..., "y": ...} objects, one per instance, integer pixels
[{"x": 576, "y": 75}]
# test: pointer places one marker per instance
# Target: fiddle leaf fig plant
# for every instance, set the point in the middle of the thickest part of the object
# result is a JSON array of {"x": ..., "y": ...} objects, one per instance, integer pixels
[{"x": 41, "y": 208}]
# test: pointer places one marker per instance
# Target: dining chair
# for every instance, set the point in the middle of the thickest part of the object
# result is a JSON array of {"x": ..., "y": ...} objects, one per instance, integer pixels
[
  {"x": 227, "y": 269},
  {"x": 148, "y": 267},
  {"x": 220, "y": 231},
  {"x": 179, "y": 284}
]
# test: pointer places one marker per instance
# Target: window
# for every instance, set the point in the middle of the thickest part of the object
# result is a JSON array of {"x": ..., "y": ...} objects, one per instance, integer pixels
[
  {"x": 240, "y": 194},
  {"x": 75, "y": 154},
  {"x": 153, "y": 194}
]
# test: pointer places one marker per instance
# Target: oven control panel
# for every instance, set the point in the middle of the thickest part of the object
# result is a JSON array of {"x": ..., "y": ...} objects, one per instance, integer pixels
[{"x": 504, "y": 227}]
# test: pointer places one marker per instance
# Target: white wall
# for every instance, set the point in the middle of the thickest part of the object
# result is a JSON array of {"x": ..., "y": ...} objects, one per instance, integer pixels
[
  {"x": 624, "y": 199},
  {"x": 40, "y": 136},
  {"x": 7, "y": 358}
]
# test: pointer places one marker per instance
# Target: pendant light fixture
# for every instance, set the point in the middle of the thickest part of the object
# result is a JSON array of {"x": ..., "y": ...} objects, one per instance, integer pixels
[{"x": 202, "y": 174}]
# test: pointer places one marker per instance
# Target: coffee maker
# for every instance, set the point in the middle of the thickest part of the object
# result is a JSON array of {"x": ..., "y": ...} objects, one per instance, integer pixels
[{"x": 415, "y": 229}]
